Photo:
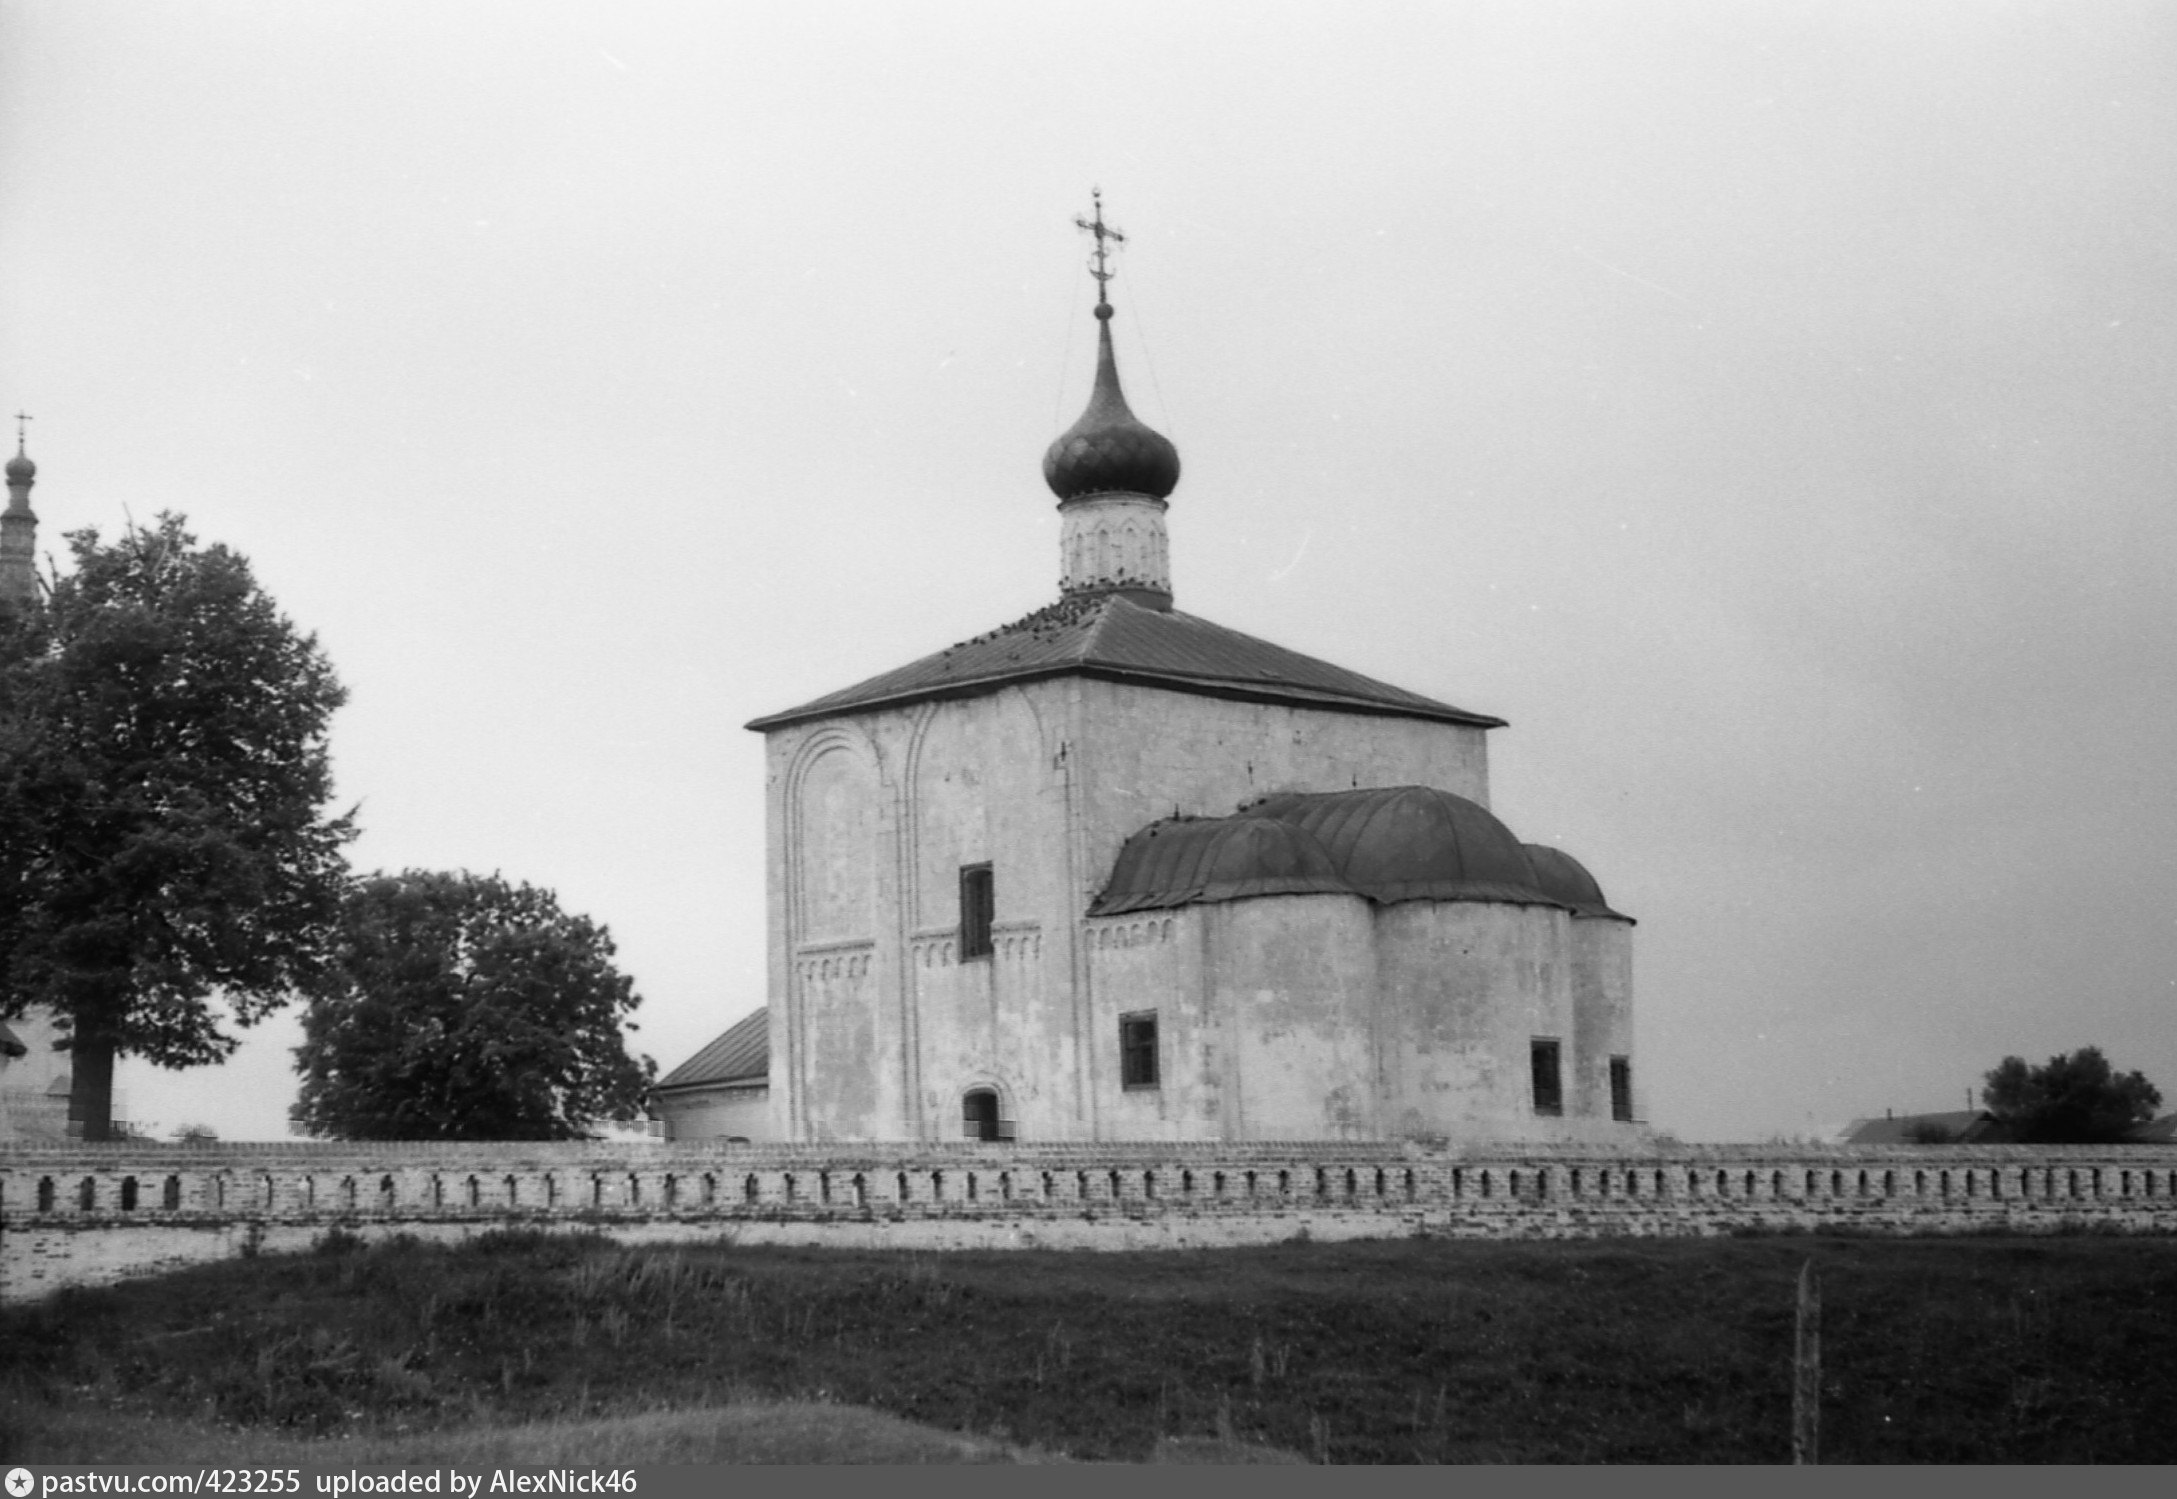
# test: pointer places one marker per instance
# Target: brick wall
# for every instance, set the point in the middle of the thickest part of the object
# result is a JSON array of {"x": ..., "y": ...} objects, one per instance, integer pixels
[{"x": 90, "y": 1215}]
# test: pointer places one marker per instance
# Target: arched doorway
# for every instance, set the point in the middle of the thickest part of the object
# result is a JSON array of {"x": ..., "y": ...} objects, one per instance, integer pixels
[{"x": 979, "y": 1114}]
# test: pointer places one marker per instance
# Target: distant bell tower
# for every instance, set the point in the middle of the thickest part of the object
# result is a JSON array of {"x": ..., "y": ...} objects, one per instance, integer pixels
[
  {"x": 1111, "y": 473},
  {"x": 19, "y": 528}
]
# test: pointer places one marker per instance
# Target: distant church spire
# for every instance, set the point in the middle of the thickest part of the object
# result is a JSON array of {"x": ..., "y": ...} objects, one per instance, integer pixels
[
  {"x": 1111, "y": 471},
  {"x": 19, "y": 527}
]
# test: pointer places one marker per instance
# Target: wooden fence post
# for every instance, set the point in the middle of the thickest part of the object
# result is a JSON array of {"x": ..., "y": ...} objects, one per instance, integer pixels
[{"x": 1806, "y": 1393}]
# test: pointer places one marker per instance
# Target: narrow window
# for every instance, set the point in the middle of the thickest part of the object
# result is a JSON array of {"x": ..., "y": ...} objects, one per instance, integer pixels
[
  {"x": 978, "y": 907},
  {"x": 1549, "y": 1093},
  {"x": 1621, "y": 1089},
  {"x": 1138, "y": 1050}
]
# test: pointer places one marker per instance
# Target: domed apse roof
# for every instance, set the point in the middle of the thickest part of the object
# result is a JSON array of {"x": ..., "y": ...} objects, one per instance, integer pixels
[
  {"x": 1385, "y": 844},
  {"x": 1110, "y": 450},
  {"x": 1564, "y": 878},
  {"x": 1183, "y": 860}
]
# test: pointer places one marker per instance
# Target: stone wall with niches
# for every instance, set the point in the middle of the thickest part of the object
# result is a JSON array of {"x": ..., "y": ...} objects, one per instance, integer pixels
[{"x": 80, "y": 1215}]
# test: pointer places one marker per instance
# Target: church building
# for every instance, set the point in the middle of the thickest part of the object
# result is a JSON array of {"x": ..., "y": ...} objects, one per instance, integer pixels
[{"x": 1115, "y": 872}]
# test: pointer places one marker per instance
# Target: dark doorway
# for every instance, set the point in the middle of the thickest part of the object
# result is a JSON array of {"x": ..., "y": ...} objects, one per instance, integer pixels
[{"x": 979, "y": 1111}]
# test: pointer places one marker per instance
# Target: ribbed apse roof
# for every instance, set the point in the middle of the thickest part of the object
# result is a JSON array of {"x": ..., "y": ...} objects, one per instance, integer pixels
[
  {"x": 742, "y": 1054},
  {"x": 1566, "y": 879},
  {"x": 1385, "y": 844},
  {"x": 1110, "y": 637}
]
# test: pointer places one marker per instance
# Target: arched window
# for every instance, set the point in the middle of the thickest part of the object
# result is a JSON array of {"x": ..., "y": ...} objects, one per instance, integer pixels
[
  {"x": 128, "y": 1194},
  {"x": 979, "y": 1114},
  {"x": 45, "y": 1194},
  {"x": 171, "y": 1197}
]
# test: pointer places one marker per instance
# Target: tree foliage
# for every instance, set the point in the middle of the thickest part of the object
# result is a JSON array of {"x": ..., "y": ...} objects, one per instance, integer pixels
[
  {"x": 2074, "y": 1100},
  {"x": 163, "y": 781},
  {"x": 462, "y": 1008}
]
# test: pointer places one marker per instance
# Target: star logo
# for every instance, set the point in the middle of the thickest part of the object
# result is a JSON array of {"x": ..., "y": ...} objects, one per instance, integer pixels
[{"x": 20, "y": 1483}]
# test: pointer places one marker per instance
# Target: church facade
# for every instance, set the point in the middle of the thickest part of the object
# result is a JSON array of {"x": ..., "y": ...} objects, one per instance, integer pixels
[{"x": 1115, "y": 872}]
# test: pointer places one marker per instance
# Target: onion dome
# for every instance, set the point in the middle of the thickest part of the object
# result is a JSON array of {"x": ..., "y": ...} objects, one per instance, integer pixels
[
  {"x": 1565, "y": 879},
  {"x": 1187, "y": 859},
  {"x": 1397, "y": 843},
  {"x": 1110, "y": 450},
  {"x": 20, "y": 469}
]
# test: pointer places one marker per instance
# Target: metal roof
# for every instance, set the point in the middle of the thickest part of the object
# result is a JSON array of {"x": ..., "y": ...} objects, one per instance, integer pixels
[
  {"x": 1383, "y": 843},
  {"x": 1111, "y": 637},
  {"x": 1565, "y": 878},
  {"x": 742, "y": 1054}
]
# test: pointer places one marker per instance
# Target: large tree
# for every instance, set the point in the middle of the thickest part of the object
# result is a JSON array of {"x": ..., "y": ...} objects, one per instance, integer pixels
[
  {"x": 460, "y": 1007},
  {"x": 2074, "y": 1100},
  {"x": 164, "y": 775}
]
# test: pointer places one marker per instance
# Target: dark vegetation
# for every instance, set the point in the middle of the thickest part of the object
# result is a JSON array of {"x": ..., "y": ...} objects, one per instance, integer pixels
[
  {"x": 2074, "y": 1100},
  {"x": 1958, "y": 1350},
  {"x": 460, "y": 1007},
  {"x": 166, "y": 859}
]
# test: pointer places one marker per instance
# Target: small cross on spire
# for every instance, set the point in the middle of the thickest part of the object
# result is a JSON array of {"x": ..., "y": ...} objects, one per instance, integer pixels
[
  {"x": 1106, "y": 236},
  {"x": 21, "y": 419}
]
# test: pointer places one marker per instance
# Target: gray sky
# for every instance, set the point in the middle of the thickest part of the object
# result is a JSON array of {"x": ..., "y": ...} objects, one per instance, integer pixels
[{"x": 1767, "y": 408}]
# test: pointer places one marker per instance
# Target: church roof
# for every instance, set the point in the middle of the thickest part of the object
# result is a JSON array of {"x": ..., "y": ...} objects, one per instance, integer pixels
[
  {"x": 1113, "y": 638},
  {"x": 742, "y": 1054},
  {"x": 1383, "y": 843},
  {"x": 1564, "y": 878}
]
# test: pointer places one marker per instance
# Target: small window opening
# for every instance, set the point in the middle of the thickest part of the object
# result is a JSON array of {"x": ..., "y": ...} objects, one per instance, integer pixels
[
  {"x": 1138, "y": 1050},
  {"x": 978, "y": 910},
  {"x": 1549, "y": 1091},
  {"x": 128, "y": 1194},
  {"x": 172, "y": 1195},
  {"x": 1621, "y": 1089},
  {"x": 979, "y": 1115}
]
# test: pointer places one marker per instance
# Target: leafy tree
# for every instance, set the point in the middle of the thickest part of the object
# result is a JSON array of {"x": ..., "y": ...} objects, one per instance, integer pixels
[
  {"x": 163, "y": 779},
  {"x": 2074, "y": 1100},
  {"x": 463, "y": 1008}
]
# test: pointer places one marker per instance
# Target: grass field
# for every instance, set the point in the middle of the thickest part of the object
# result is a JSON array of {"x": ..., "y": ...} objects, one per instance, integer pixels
[{"x": 1939, "y": 1350}]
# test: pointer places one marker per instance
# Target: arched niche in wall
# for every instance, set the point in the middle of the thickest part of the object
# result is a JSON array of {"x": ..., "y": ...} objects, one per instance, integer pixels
[{"x": 835, "y": 818}]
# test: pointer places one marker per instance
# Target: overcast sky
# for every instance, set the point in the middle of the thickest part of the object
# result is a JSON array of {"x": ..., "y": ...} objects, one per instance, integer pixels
[{"x": 1765, "y": 407}]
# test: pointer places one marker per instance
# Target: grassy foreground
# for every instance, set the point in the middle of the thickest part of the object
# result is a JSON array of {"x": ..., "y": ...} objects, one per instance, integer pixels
[{"x": 1958, "y": 1350}]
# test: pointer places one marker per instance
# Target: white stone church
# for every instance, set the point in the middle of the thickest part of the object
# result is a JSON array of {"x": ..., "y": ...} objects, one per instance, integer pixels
[{"x": 987, "y": 921}]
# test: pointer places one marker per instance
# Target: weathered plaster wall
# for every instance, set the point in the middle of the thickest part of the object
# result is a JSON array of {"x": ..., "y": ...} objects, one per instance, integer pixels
[
  {"x": 89, "y": 1215},
  {"x": 1295, "y": 1045},
  {"x": 719, "y": 1113},
  {"x": 1602, "y": 1014},
  {"x": 1142, "y": 753}
]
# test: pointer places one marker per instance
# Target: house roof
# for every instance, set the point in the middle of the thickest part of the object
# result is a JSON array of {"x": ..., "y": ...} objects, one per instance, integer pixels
[
  {"x": 1963, "y": 1126},
  {"x": 1112, "y": 637},
  {"x": 742, "y": 1054}
]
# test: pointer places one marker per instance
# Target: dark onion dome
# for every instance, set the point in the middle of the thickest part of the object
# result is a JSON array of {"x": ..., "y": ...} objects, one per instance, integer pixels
[
  {"x": 20, "y": 469},
  {"x": 1386, "y": 844},
  {"x": 1565, "y": 879},
  {"x": 1110, "y": 450},
  {"x": 1183, "y": 860}
]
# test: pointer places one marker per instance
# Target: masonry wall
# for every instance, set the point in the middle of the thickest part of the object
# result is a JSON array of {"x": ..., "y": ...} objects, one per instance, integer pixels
[{"x": 91, "y": 1215}]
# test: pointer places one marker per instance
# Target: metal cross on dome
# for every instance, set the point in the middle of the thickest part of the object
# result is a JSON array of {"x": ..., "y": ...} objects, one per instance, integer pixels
[
  {"x": 1106, "y": 236},
  {"x": 21, "y": 417}
]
